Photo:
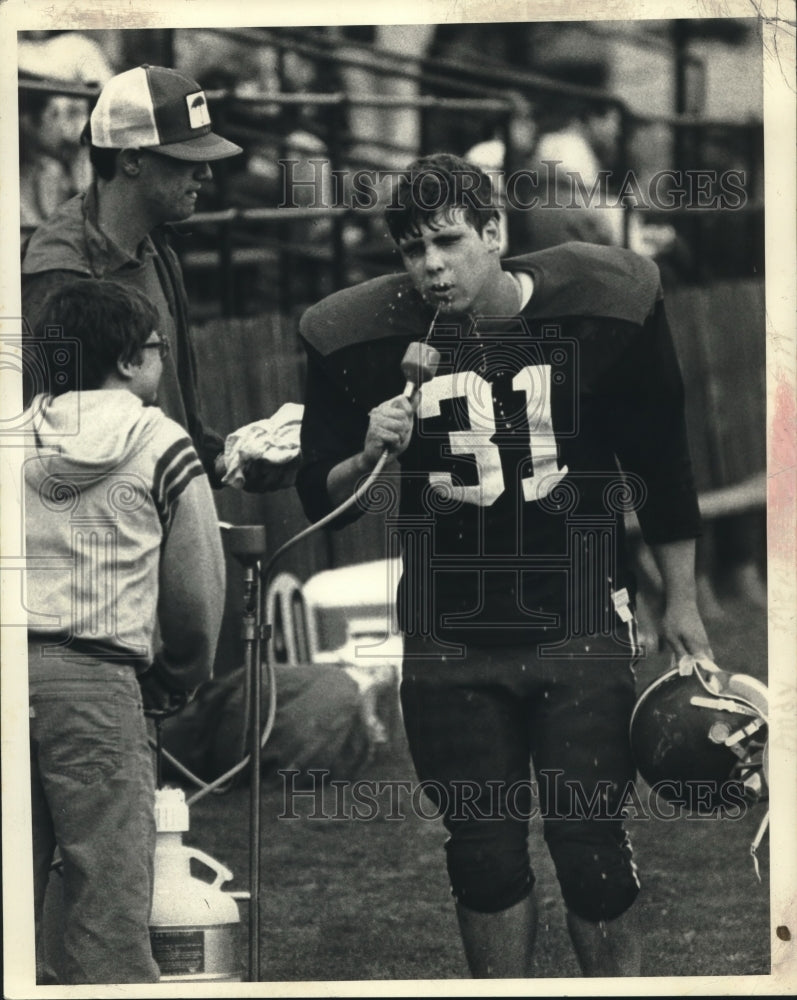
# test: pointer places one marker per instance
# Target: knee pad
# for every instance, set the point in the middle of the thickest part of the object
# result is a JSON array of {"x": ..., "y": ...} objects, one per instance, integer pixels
[
  {"x": 488, "y": 865},
  {"x": 595, "y": 867}
]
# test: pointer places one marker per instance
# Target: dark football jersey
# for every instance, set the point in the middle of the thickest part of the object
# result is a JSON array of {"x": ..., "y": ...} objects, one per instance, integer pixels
[{"x": 537, "y": 435}]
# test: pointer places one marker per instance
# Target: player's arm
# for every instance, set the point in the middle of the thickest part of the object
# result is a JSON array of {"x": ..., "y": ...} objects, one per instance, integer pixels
[
  {"x": 681, "y": 626},
  {"x": 389, "y": 428},
  {"x": 648, "y": 425},
  {"x": 340, "y": 443}
]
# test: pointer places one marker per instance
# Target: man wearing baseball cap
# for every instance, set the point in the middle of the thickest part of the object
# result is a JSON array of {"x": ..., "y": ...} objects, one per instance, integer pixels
[{"x": 151, "y": 144}]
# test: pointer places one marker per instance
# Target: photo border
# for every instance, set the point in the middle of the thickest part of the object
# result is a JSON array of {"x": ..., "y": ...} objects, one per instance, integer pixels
[{"x": 781, "y": 305}]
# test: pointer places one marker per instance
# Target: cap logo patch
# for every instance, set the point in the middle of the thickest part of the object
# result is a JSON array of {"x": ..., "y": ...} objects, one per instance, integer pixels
[{"x": 198, "y": 113}]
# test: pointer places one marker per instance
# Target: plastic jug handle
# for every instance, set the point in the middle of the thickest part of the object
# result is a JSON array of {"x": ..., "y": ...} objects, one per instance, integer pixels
[{"x": 222, "y": 874}]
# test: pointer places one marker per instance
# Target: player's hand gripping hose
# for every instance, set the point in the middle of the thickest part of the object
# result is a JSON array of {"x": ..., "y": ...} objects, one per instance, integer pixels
[{"x": 418, "y": 366}]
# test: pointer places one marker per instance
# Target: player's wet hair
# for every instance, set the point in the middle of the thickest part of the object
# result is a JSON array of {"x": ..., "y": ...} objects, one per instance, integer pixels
[
  {"x": 432, "y": 186},
  {"x": 109, "y": 321}
]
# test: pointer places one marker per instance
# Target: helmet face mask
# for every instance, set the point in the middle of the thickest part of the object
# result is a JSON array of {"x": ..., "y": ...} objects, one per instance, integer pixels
[{"x": 697, "y": 726}]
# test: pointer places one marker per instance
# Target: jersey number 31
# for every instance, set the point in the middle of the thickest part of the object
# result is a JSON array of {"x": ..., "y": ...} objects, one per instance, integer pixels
[{"x": 476, "y": 440}]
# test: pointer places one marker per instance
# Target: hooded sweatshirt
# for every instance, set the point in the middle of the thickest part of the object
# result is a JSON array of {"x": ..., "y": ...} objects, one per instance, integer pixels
[{"x": 124, "y": 558}]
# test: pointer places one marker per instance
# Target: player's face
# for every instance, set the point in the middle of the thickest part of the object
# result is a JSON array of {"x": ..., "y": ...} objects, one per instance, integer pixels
[
  {"x": 453, "y": 266},
  {"x": 170, "y": 186}
]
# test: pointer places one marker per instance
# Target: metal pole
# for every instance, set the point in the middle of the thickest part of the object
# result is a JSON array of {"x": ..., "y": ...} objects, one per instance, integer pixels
[
  {"x": 254, "y": 793},
  {"x": 251, "y": 629},
  {"x": 247, "y": 543}
]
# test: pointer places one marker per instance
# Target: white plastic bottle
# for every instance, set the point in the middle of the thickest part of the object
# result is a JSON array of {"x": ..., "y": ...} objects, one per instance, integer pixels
[{"x": 194, "y": 925}]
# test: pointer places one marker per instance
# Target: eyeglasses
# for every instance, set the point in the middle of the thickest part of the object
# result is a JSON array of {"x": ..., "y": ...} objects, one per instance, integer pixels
[{"x": 161, "y": 345}]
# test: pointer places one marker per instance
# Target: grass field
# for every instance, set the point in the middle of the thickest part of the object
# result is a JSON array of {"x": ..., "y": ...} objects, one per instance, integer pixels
[{"x": 346, "y": 899}]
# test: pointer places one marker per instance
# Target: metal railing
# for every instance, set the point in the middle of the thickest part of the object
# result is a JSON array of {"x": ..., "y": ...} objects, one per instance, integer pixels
[{"x": 493, "y": 86}]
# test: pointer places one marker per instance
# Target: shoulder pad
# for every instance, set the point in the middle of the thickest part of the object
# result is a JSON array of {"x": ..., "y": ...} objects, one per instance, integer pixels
[
  {"x": 585, "y": 279},
  {"x": 387, "y": 306}
]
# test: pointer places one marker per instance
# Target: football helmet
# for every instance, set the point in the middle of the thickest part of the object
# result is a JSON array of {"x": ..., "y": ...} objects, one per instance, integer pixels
[{"x": 699, "y": 724}]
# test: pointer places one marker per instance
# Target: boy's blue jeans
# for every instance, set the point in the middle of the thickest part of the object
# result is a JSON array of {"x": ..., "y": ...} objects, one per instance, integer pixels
[{"x": 92, "y": 796}]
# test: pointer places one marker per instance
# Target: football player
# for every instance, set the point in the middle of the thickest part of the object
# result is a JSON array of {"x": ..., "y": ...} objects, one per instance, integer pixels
[{"x": 556, "y": 407}]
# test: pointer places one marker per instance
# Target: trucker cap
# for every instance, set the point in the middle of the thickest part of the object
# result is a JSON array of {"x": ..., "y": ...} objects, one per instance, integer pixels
[{"x": 151, "y": 107}]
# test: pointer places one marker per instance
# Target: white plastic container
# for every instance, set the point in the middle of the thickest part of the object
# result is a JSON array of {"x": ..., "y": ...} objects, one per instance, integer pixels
[{"x": 194, "y": 925}]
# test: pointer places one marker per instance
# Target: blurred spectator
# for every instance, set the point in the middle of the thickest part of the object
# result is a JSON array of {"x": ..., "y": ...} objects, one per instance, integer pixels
[
  {"x": 491, "y": 154},
  {"x": 574, "y": 148},
  {"x": 575, "y": 152},
  {"x": 53, "y": 164},
  {"x": 522, "y": 127}
]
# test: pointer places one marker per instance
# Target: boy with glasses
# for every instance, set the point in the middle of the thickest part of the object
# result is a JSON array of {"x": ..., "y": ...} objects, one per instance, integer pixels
[{"x": 125, "y": 593}]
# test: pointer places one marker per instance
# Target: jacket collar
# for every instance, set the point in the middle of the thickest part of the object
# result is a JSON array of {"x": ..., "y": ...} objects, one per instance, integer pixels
[{"x": 105, "y": 255}]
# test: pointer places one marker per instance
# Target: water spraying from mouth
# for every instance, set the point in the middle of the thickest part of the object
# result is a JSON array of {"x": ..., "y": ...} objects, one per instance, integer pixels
[{"x": 441, "y": 294}]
